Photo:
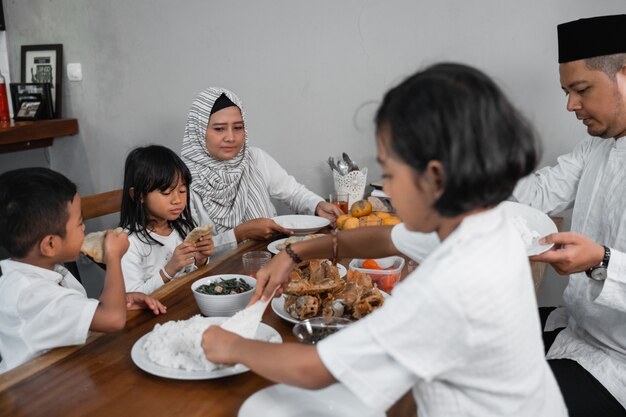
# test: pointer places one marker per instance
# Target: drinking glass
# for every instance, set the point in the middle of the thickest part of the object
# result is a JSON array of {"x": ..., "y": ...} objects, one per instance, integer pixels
[
  {"x": 255, "y": 260},
  {"x": 340, "y": 200}
]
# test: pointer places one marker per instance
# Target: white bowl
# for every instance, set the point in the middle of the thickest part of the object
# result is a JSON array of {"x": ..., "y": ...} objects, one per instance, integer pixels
[{"x": 224, "y": 305}]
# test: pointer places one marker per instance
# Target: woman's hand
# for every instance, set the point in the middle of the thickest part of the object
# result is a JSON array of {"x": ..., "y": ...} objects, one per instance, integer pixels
[
  {"x": 274, "y": 276},
  {"x": 572, "y": 252},
  {"x": 139, "y": 300},
  {"x": 204, "y": 249},
  {"x": 328, "y": 211},
  {"x": 218, "y": 344},
  {"x": 183, "y": 255},
  {"x": 259, "y": 229}
]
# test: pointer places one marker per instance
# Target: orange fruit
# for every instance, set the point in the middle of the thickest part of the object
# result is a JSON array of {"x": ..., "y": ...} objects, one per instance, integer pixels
[
  {"x": 341, "y": 220},
  {"x": 361, "y": 208},
  {"x": 382, "y": 214},
  {"x": 370, "y": 264},
  {"x": 389, "y": 221},
  {"x": 350, "y": 223}
]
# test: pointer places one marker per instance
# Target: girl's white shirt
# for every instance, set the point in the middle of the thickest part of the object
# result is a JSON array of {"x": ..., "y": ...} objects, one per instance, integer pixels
[
  {"x": 142, "y": 263},
  {"x": 462, "y": 330}
]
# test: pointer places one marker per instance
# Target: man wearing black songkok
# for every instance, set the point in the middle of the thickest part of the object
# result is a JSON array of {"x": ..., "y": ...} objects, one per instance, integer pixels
[{"x": 586, "y": 339}]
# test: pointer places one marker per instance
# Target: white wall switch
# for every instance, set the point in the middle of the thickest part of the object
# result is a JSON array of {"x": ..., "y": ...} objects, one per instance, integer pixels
[{"x": 74, "y": 71}]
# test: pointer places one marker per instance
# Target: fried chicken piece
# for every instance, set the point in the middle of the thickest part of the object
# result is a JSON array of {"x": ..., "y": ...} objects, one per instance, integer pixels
[
  {"x": 302, "y": 307},
  {"x": 313, "y": 277}
]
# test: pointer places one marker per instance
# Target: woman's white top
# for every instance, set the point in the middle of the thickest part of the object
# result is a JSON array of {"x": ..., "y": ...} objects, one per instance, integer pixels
[
  {"x": 592, "y": 179},
  {"x": 280, "y": 186},
  {"x": 40, "y": 309},
  {"x": 142, "y": 263},
  {"x": 462, "y": 331}
]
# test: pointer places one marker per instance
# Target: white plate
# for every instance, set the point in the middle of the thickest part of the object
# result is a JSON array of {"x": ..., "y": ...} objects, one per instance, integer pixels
[
  {"x": 140, "y": 358},
  {"x": 536, "y": 221},
  {"x": 272, "y": 246},
  {"x": 301, "y": 224},
  {"x": 288, "y": 401},
  {"x": 278, "y": 306}
]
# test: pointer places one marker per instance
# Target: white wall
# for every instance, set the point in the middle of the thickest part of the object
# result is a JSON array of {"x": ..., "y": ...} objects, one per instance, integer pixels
[{"x": 310, "y": 73}]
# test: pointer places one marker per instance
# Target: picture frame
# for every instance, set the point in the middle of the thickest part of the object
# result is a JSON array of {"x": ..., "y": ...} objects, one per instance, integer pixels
[
  {"x": 44, "y": 64},
  {"x": 30, "y": 93},
  {"x": 29, "y": 110}
]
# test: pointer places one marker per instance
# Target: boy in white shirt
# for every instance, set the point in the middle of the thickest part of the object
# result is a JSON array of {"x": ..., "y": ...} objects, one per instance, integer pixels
[{"x": 42, "y": 305}]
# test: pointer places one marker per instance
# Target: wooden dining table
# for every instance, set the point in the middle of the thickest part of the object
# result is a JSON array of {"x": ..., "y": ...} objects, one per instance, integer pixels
[{"x": 99, "y": 378}]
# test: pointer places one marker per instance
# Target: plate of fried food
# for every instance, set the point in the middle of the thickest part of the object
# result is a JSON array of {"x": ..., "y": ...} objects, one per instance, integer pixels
[{"x": 316, "y": 289}]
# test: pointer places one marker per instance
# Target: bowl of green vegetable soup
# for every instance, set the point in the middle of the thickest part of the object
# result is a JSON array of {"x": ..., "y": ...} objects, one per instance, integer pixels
[{"x": 223, "y": 295}]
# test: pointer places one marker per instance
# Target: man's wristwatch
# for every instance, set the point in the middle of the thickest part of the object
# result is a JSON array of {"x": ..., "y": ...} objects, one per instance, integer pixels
[{"x": 598, "y": 272}]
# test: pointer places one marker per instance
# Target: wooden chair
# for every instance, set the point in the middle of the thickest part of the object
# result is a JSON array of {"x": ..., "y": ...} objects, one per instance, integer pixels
[
  {"x": 99, "y": 205},
  {"x": 94, "y": 206}
]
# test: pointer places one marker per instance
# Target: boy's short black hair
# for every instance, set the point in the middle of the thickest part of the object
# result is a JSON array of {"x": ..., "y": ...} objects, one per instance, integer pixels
[
  {"x": 457, "y": 115},
  {"x": 33, "y": 204}
]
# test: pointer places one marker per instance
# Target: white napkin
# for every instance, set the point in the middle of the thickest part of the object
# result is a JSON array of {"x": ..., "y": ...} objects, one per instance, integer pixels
[{"x": 246, "y": 322}]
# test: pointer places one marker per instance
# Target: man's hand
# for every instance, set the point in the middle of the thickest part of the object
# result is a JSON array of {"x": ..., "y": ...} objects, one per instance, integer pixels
[
  {"x": 328, "y": 211},
  {"x": 259, "y": 229},
  {"x": 572, "y": 252}
]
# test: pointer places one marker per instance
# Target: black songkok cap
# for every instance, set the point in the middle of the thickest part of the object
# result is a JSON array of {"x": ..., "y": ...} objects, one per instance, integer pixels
[
  {"x": 595, "y": 36},
  {"x": 221, "y": 103}
]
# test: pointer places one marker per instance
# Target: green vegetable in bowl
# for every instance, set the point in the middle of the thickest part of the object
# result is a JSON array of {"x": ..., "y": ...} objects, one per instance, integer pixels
[{"x": 225, "y": 286}]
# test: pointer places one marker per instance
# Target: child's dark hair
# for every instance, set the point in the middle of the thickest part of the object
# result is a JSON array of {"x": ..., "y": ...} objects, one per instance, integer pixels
[
  {"x": 147, "y": 169},
  {"x": 457, "y": 115},
  {"x": 33, "y": 204}
]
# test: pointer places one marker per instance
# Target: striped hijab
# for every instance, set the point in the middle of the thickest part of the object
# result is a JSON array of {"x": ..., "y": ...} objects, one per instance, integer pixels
[{"x": 232, "y": 191}]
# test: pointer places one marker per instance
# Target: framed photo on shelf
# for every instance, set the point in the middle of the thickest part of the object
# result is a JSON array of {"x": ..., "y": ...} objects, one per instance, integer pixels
[
  {"x": 32, "y": 101},
  {"x": 44, "y": 64},
  {"x": 28, "y": 110}
]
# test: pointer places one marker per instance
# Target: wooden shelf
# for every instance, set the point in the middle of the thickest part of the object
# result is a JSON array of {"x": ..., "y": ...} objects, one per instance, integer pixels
[{"x": 37, "y": 134}]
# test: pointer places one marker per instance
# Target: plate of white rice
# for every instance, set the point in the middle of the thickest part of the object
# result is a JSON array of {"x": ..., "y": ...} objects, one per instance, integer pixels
[
  {"x": 531, "y": 224},
  {"x": 173, "y": 349}
]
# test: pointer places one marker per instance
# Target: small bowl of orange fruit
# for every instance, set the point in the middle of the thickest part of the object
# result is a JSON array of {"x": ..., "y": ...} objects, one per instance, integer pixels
[
  {"x": 385, "y": 272},
  {"x": 362, "y": 209}
]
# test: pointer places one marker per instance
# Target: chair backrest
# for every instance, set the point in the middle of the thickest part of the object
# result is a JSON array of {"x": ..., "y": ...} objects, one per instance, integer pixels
[{"x": 98, "y": 205}]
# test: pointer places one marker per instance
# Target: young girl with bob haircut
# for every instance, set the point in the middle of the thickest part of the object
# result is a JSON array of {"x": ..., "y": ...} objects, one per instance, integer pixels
[
  {"x": 462, "y": 331},
  {"x": 155, "y": 212}
]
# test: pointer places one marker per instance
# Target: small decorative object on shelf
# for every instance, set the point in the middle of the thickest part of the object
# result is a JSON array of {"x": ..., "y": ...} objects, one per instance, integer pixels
[{"x": 5, "y": 117}]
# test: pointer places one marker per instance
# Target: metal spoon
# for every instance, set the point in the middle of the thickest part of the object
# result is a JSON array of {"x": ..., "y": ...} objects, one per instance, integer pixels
[
  {"x": 343, "y": 167},
  {"x": 352, "y": 166}
]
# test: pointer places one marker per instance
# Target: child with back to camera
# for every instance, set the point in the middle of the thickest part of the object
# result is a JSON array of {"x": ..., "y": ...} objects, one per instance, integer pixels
[
  {"x": 462, "y": 330},
  {"x": 155, "y": 213},
  {"x": 42, "y": 305}
]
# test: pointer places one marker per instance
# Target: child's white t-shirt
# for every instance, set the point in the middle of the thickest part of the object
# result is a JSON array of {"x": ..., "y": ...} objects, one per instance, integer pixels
[
  {"x": 462, "y": 331},
  {"x": 40, "y": 309},
  {"x": 142, "y": 262}
]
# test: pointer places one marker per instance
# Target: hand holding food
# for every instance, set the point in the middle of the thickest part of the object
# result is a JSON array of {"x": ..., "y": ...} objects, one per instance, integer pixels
[
  {"x": 93, "y": 244},
  {"x": 183, "y": 255}
]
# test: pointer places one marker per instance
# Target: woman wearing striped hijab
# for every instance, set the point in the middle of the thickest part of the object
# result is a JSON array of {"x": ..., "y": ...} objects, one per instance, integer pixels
[{"x": 233, "y": 182}]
